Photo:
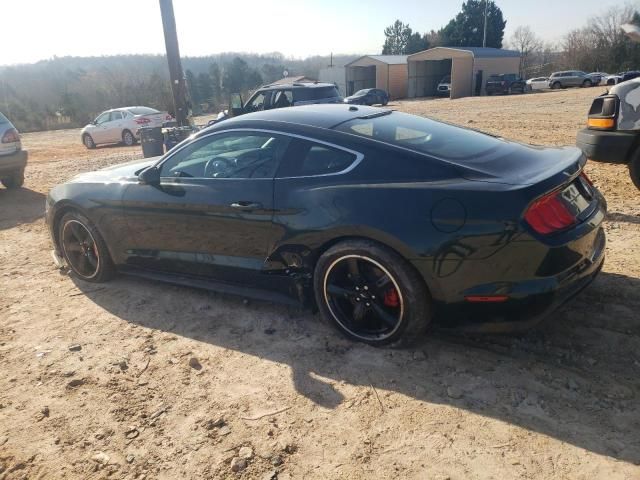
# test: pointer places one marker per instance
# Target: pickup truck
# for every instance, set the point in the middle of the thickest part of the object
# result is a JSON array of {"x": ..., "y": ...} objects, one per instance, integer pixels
[{"x": 613, "y": 128}]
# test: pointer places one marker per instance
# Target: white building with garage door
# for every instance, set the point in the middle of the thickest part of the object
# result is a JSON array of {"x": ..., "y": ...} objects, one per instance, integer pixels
[
  {"x": 387, "y": 72},
  {"x": 469, "y": 68}
]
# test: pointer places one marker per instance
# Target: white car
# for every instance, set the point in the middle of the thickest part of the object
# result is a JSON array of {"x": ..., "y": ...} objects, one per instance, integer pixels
[
  {"x": 444, "y": 87},
  {"x": 538, "y": 83},
  {"x": 121, "y": 125}
]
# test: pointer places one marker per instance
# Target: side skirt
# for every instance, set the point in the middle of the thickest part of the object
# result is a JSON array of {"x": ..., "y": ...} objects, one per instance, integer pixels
[{"x": 216, "y": 286}]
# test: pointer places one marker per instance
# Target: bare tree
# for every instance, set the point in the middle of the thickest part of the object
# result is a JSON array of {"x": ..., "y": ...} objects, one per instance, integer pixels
[{"x": 527, "y": 43}]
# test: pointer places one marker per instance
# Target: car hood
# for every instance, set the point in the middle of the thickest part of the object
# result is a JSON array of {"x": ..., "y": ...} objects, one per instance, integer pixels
[{"x": 115, "y": 173}]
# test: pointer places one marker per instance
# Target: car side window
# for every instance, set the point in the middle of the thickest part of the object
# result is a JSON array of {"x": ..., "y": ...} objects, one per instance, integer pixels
[
  {"x": 116, "y": 116},
  {"x": 259, "y": 102},
  {"x": 103, "y": 118},
  {"x": 306, "y": 158},
  {"x": 243, "y": 154},
  {"x": 282, "y": 99}
]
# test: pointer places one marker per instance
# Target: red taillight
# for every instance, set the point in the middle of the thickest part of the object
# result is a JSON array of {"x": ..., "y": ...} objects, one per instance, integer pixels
[
  {"x": 142, "y": 121},
  {"x": 549, "y": 214},
  {"x": 11, "y": 136}
]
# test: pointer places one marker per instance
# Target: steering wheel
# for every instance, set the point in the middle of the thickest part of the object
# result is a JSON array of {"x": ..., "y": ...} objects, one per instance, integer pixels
[{"x": 218, "y": 166}]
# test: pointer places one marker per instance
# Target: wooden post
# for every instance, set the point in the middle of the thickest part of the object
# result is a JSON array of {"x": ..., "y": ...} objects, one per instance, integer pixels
[{"x": 178, "y": 83}]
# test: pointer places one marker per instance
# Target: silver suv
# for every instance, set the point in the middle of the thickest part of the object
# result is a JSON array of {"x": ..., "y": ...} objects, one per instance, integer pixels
[
  {"x": 13, "y": 159},
  {"x": 570, "y": 78}
]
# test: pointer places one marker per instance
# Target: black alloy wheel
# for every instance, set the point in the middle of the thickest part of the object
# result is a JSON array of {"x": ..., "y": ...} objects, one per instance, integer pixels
[
  {"x": 371, "y": 294},
  {"x": 83, "y": 249}
]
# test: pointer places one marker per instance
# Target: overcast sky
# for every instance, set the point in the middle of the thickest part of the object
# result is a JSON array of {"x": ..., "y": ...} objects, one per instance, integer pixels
[{"x": 33, "y": 30}]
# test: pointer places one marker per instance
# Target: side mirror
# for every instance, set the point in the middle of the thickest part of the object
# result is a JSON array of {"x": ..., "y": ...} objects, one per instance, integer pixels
[{"x": 149, "y": 176}]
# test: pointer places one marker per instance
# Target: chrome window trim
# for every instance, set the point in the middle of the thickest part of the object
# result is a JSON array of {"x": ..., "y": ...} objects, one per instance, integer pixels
[{"x": 359, "y": 156}]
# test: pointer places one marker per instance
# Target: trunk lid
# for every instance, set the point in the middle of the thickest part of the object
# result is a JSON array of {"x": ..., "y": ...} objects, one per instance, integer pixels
[{"x": 517, "y": 164}]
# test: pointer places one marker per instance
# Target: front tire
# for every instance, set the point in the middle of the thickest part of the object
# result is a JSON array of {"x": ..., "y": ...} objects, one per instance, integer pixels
[
  {"x": 587, "y": 83},
  {"x": 88, "y": 141},
  {"x": 371, "y": 294},
  {"x": 83, "y": 249},
  {"x": 634, "y": 168},
  {"x": 128, "y": 139},
  {"x": 556, "y": 85},
  {"x": 14, "y": 181}
]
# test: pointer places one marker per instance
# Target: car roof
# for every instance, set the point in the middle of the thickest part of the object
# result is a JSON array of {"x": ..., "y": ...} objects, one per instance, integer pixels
[
  {"x": 281, "y": 86},
  {"x": 319, "y": 115}
]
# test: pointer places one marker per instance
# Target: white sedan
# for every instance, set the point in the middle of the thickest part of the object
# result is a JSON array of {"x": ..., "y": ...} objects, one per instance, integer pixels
[
  {"x": 121, "y": 125},
  {"x": 538, "y": 83}
]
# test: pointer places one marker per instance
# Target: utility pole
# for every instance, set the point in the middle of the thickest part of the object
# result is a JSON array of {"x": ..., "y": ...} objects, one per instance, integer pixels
[
  {"x": 178, "y": 84},
  {"x": 484, "y": 38}
]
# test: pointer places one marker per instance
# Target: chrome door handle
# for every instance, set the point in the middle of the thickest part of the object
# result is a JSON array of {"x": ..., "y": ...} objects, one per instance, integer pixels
[{"x": 243, "y": 205}]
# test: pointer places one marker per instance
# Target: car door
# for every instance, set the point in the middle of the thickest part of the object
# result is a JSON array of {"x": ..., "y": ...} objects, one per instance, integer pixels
[
  {"x": 211, "y": 213},
  {"x": 114, "y": 127},
  {"x": 99, "y": 130}
]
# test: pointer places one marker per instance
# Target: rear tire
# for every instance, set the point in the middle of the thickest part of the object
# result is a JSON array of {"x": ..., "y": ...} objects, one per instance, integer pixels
[
  {"x": 371, "y": 294},
  {"x": 88, "y": 141},
  {"x": 634, "y": 168},
  {"x": 14, "y": 181},
  {"x": 83, "y": 248},
  {"x": 128, "y": 139},
  {"x": 587, "y": 83}
]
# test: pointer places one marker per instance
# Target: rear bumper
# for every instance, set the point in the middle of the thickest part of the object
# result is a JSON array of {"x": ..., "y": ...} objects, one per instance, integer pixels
[
  {"x": 606, "y": 146},
  {"x": 10, "y": 164}
]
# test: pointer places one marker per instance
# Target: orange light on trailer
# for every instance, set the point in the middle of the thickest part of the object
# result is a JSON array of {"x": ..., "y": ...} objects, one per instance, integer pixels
[
  {"x": 486, "y": 298},
  {"x": 601, "y": 122}
]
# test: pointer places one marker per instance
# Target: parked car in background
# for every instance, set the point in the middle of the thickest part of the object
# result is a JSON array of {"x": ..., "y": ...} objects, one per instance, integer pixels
[
  {"x": 598, "y": 77},
  {"x": 368, "y": 96},
  {"x": 613, "y": 128},
  {"x": 538, "y": 83},
  {"x": 121, "y": 125},
  {"x": 444, "y": 87},
  {"x": 285, "y": 95},
  {"x": 505, "y": 83},
  {"x": 570, "y": 78},
  {"x": 613, "y": 79},
  {"x": 313, "y": 205},
  {"x": 13, "y": 159}
]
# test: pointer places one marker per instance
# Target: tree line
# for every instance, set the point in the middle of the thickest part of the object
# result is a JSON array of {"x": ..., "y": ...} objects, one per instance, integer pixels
[
  {"x": 68, "y": 92},
  {"x": 466, "y": 29}
]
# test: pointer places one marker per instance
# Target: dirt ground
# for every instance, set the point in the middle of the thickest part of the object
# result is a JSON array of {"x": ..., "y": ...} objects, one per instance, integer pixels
[{"x": 135, "y": 379}]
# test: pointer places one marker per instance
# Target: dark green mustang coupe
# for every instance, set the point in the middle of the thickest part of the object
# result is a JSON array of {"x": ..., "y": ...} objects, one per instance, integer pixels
[{"x": 383, "y": 221}]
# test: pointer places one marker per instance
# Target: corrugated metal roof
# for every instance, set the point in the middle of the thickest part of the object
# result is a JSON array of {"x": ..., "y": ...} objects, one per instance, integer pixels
[
  {"x": 388, "y": 59},
  {"x": 480, "y": 52}
]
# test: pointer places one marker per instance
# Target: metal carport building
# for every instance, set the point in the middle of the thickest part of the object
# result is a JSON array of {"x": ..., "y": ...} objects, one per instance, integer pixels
[
  {"x": 388, "y": 72},
  {"x": 469, "y": 68}
]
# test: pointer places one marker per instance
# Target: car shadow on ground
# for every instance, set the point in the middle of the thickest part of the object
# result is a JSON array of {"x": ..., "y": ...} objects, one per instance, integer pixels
[
  {"x": 19, "y": 206},
  {"x": 574, "y": 378},
  {"x": 623, "y": 217}
]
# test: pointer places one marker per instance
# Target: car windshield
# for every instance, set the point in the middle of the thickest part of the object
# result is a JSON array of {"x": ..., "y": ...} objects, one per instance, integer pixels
[
  {"x": 361, "y": 92},
  {"x": 3, "y": 119},
  {"x": 314, "y": 93},
  {"x": 142, "y": 110},
  {"x": 495, "y": 78},
  {"x": 422, "y": 135}
]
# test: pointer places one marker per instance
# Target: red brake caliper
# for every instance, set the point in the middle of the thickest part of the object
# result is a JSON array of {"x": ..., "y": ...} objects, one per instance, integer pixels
[{"x": 391, "y": 298}]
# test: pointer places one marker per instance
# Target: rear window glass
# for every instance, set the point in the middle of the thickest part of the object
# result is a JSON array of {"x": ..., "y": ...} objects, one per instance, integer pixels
[
  {"x": 317, "y": 93},
  {"x": 143, "y": 110},
  {"x": 3, "y": 119},
  {"x": 423, "y": 135}
]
